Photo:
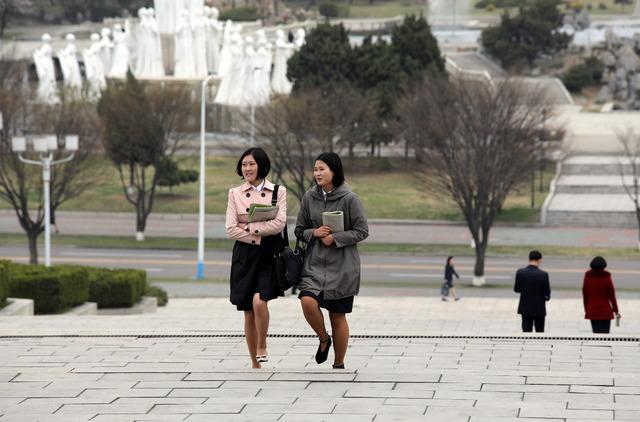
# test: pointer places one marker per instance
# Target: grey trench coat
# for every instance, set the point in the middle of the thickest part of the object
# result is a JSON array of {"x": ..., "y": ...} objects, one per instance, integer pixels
[{"x": 334, "y": 270}]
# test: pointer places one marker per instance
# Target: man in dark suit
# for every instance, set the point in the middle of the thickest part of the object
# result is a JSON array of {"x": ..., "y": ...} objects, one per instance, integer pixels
[{"x": 533, "y": 285}]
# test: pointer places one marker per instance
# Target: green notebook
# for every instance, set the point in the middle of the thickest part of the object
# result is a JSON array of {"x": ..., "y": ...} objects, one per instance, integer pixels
[{"x": 259, "y": 212}]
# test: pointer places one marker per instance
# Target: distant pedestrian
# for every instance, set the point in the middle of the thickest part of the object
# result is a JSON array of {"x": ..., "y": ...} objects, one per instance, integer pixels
[
  {"x": 290, "y": 36},
  {"x": 533, "y": 285},
  {"x": 599, "y": 296},
  {"x": 447, "y": 288},
  {"x": 52, "y": 219}
]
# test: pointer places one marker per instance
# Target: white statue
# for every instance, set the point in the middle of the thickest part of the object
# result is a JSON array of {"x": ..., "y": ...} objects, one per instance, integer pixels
[
  {"x": 184, "y": 58},
  {"x": 157, "y": 66},
  {"x": 68, "y": 56},
  {"x": 232, "y": 80},
  {"x": 199, "y": 47},
  {"x": 193, "y": 6},
  {"x": 246, "y": 94},
  {"x": 225, "y": 53},
  {"x": 43, "y": 60},
  {"x": 94, "y": 69},
  {"x": 167, "y": 14},
  {"x": 214, "y": 34},
  {"x": 106, "y": 49},
  {"x": 142, "y": 48},
  {"x": 121, "y": 51},
  {"x": 284, "y": 50},
  {"x": 262, "y": 82},
  {"x": 299, "y": 38}
]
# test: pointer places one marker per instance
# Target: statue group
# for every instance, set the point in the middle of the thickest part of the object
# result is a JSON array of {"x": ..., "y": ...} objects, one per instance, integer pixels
[{"x": 251, "y": 67}]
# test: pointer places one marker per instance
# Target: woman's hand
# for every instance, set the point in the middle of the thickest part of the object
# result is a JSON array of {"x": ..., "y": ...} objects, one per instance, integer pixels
[
  {"x": 322, "y": 232},
  {"x": 327, "y": 240}
]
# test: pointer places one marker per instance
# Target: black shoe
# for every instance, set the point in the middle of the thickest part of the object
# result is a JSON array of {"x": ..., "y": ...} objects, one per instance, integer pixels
[
  {"x": 322, "y": 356},
  {"x": 341, "y": 366}
]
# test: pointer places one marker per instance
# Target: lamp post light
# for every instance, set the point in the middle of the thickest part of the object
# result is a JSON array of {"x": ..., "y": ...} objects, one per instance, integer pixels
[
  {"x": 45, "y": 146},
  {"x": 200, "y": 268}
]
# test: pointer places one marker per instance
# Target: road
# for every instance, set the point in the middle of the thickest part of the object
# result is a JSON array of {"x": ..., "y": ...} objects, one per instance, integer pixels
[{"x": 388, "y": 271}]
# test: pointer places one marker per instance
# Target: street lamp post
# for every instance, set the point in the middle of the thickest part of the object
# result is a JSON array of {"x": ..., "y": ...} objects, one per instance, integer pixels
[
  {"x": 45, "y": 146},
  {"x": 200, "y": 269}
]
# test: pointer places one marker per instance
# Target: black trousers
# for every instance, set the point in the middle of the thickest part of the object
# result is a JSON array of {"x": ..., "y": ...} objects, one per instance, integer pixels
[
  {"x": 529, "y": 321},
  {"x": 601, "y": 326}
]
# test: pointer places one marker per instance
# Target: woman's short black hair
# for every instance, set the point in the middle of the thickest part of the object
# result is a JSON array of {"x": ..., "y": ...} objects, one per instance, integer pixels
[
  {"x": 598, "y": 263},
  {"x": 535, "y": 256},
  {"x": 262, "y": 160},
  {"x": 449, "y": 258},
  {"x": 334, "y": 162}
]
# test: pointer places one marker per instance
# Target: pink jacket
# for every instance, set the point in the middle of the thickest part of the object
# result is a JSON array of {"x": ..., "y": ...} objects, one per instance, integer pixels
[{"x": 240, "y": 199}]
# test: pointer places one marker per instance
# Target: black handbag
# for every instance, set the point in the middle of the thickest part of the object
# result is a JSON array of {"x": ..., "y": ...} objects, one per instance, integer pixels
[{"x": 288, "y": 262}]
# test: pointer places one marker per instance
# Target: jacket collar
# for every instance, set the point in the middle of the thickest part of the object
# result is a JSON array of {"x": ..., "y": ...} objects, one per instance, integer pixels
[{"x": 267, "y": 185}]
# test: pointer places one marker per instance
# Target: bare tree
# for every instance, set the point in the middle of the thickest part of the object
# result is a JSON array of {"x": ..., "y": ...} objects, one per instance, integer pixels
[
  {"x": 141, "y": 128},
  {"x": 283, "y": 127},
  {"x": 20, "y": 184},
  {"x": 296, "y": 129},
  {"x": 476, "y": 141},
  {"x": 630, "y": 142}
]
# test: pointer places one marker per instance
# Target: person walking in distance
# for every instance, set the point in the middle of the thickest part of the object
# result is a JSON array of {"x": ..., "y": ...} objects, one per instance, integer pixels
[
  {"x": 331, "y": 271},
  {"x": 599, "y": 297},
  {"x": 533, "y": 285},
  {"x": 252, "y": 281},
  {"x": 447, "y": 288}
]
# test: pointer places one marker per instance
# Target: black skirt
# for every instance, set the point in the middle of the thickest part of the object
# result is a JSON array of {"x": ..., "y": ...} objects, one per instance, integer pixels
[
  {"x": 252, "y": 271},
  {"x": 341, "y": 306}
]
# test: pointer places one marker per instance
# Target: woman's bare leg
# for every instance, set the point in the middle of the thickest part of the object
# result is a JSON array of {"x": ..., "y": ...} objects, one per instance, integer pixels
[
  {"x": 261, "y": 311},
  {"x": 251, "y": 336},
  {"x": 340, "y": 331},
  {"x": 313, "y": 315}
]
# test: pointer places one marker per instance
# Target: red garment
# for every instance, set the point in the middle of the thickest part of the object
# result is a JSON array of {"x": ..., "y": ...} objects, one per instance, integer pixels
[{"x": 599, "y": 295}]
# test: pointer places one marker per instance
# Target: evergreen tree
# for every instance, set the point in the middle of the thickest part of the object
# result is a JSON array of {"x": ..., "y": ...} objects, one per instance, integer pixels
[{"x": 524, "y": 37}]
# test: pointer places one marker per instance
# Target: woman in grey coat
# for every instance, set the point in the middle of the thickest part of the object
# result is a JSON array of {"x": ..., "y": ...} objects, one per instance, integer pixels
[{"x": 331, "y": 272}]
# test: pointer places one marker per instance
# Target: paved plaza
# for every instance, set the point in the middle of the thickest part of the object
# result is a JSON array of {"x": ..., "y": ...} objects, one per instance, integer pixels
[{"x": 410, "y": 359}]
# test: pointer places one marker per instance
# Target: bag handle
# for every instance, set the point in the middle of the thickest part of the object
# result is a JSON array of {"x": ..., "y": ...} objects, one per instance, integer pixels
[{"x": 274, "y": 201}]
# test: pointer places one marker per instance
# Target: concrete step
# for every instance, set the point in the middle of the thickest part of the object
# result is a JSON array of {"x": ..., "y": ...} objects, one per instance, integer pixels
[
  {"x": 596, "y": 165},
  {"x": 602, "y": 184},
  {"x": 601, "y": 210}
]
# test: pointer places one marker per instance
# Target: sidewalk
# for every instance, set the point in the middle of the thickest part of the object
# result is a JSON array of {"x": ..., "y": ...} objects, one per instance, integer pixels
[
  {"x": 380, "y": 231},
  {"x": 410, "y": 359}
]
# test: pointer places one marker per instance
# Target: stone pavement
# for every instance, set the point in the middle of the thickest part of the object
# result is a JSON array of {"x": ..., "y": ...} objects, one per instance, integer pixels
[{"x": 410, "y": 359}]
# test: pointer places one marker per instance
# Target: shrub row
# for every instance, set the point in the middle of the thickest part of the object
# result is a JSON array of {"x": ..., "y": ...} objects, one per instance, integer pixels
[
  {"x": 53, "y": 289},
  {"x": 59, "y": 288},
  {"x": 116, "y": 288},
  {"x": 4, "y": 282}
]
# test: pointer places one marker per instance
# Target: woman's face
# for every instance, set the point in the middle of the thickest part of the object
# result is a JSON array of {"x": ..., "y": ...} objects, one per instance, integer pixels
[
  {"x": 323, "y": 175},
  {"x": 249, "y": 169},
  {"x": 451, "y": 261}
]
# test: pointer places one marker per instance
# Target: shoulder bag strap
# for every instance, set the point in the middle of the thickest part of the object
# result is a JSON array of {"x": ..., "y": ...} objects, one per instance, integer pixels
[{"x": 274, "y": 201}]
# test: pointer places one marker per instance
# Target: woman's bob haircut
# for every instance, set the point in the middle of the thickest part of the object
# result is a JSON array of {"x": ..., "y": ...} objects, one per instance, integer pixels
[
  {"x": 333, "y": 161},
  {"x": 262, "y": 159}
]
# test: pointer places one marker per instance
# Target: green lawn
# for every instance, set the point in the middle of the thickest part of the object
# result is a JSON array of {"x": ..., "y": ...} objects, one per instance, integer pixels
[
  {"x": 612, "y": 8},
  {"x": 165, "y": 243},
  {"x": 360, "y": 9},
  {"x": 389, "y": 190}
]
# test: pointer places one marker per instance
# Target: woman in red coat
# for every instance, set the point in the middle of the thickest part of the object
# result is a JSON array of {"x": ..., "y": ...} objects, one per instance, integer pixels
[{"x": 599, "y": 296}]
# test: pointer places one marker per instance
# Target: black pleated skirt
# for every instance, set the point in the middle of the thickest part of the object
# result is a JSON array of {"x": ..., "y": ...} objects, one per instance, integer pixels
[{"x": 252, "y": 271}]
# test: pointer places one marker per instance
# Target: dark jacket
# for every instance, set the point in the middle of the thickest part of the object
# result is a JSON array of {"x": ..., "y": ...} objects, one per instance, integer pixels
[
  {"x": 533, "y": 285},
  {"x": 334, "y": 270},
  {"x": 598, "y": 295},
  {"x": 449, "y": 272}
]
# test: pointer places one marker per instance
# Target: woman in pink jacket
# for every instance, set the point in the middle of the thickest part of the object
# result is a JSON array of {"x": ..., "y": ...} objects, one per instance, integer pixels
[{"x": 252, "y": 271}]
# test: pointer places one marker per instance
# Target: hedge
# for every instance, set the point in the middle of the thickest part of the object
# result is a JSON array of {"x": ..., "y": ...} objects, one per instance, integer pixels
[
  {"x": 159, "y": 293},
  {"x": 53, "y": 289},
  {"x": 4, "y": 282},
  {"x": 116, "y": 288},
  {"x": 243, "y": 13}
]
